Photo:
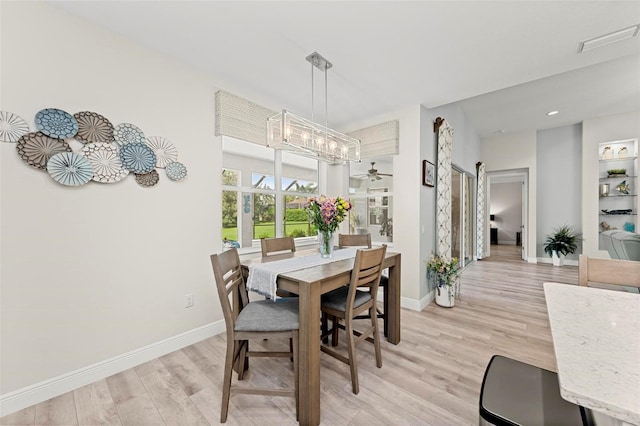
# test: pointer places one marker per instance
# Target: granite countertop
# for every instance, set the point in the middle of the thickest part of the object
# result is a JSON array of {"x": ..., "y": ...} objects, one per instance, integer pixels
[{"x": 596, "y": 338}]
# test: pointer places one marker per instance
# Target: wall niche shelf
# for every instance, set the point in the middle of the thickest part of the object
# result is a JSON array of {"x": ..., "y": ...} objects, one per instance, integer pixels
[{"x": 622, "y": 157}]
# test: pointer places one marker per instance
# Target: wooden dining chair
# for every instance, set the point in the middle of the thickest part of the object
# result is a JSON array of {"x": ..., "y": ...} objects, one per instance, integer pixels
[
  {"x": 246, "y": 320},
  {"x": 354, "y": 240},
  {"x": 348, "y": 302},
  {"x": 278, "y": 245},
  {"x": 612, "y": 274},
  {"x": 364, "y": 240}
]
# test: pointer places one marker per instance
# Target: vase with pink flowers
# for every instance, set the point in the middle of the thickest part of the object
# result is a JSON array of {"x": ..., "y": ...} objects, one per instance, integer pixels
[{"x": 326, "y": 214}]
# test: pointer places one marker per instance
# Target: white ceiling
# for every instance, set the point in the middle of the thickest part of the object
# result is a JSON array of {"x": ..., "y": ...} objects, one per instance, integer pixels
[{"x": 509, "y": 62}]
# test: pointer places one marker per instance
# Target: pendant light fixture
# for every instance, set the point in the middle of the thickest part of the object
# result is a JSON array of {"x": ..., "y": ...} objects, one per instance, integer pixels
[{"x": 289, "y": 132}]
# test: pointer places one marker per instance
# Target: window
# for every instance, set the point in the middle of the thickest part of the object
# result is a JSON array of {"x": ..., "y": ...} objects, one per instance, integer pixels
[{"x": 263, "y": 193}]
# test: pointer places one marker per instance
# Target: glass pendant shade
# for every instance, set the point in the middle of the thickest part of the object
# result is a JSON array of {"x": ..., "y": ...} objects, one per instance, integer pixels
[{"x": 289, "y": 132}]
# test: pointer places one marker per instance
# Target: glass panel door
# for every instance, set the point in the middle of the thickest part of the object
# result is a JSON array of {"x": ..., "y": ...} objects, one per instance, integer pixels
[
  {"x": 462, "y": 215},
  {"x": 456, "y": 213}
]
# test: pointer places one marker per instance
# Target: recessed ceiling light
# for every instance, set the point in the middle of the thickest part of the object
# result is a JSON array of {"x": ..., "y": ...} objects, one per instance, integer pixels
[
  {"x": 613, "y": 37},
  {"x": 552, "y": 112},
  {"x": 500, "y": 131}
]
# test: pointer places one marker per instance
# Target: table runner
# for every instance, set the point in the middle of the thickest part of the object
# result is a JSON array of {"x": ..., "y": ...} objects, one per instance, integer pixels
[{"x": 263, "y": 276}]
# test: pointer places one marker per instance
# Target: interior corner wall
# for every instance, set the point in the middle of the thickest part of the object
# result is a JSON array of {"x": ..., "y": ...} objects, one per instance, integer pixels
[
  {"x": 92, "y": 272},
  {"x": 406, "y": 213},
  {"x": 559, "y": 155},
  {"x": 594, "y": 131},
  {"x": 510, "y": 151},
  {"x": 466, "y": 142},
  {"x": 465, "y": 154}
]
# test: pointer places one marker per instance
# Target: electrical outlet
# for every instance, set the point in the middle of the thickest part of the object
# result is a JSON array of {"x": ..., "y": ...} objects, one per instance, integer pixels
[{"x": 188, "y": 300}]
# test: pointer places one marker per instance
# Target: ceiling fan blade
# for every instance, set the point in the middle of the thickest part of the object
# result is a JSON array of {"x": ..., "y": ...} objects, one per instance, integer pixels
[{"x": 384, "y": 174}]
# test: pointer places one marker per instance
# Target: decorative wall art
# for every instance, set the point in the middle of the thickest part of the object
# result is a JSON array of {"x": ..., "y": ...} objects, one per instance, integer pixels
[
  {"x": 107, "y": 167},
  {"x": 176, "y": 171},
  {"x": 428, "y": 173},
  {"x": 99, "y": 159},
  {"x": 56, "y": 123},
  {"x": 125, "y": 133},
  {"x": 148, "y": 179},
  {"x": 165, "y": 151},
  {"x": 12, "y": 127},
  {"x": 69, "y": 168},
  {"x": 36, "y": 148},
  {"x": 137, "y": 157},
  {"x": 93, "y": 127}
]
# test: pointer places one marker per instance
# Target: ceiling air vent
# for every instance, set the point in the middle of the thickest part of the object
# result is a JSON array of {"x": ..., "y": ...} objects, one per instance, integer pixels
[{"x": 609, "y": 38}]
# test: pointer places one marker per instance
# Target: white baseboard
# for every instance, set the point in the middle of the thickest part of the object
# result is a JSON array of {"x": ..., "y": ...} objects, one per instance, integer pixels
[
  {"x": 568, "y": 262},
  {"x": 30, "y": 395},
  {"x": 417, "y": 305},
  {"x": 532, "y": 260}
]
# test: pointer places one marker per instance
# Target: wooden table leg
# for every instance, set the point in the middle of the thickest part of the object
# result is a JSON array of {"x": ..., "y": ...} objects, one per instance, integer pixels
[
  {"x": 393, "y": 316},
  {"x": 309, "y": 355}
]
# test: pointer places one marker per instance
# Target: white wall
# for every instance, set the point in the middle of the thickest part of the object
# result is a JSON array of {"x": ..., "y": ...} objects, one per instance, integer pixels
[
  {"x": 506, "y": 205},
  {"x": 93, "y": 272},
  {"x": 511, "y": 151},
  {"x": 595, "y": 131},
  {"x": 559, "y": 154}
]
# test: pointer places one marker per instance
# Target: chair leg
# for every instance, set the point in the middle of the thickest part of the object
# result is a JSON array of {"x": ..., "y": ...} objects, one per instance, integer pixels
[
  {"x": 351, "y": 345},
  {"x": 291, "y": 349},
  {"x": 242, "y": 357},
  {"x": 296, "y": 377},
  {"x": 376, "y": 336},
  {"x": 334, "y": 336},
  {"x": 226, "y": 381},
  {"x": 324, "y": 328}
]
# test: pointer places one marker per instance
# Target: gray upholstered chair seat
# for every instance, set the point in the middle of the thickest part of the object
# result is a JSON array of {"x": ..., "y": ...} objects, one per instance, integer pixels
[
  {"x": 337, "y": 299},
  {"x": 267, "y": 315}
]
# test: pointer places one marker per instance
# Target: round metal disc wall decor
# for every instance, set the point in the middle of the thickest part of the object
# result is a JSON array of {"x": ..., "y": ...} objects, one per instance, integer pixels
[
  {"x": 148, "y": 179},
  {"x": 37, "y": 148},
  {"x": 12, "y": 127},
  {"x": 104, "y": 157},
  {"x": 176, "y": 171},
  {"x": 56, "y": 123},
  {"x": 69, "y": 168},
  {"x": 137, "y": 158},
  {"x": 125, "y": 133},
  {"x": 93, "y": 127},
  {"x": 165, "y": 151}
]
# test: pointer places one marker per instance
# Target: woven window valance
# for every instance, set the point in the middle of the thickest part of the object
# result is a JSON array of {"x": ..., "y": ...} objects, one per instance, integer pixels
[
  {"x": 241, "y": 119},
  {"x": 378, "y": 140}
]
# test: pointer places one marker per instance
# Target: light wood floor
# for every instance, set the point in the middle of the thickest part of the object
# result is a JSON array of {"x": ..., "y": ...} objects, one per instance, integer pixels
[{"x": 431, "y": 378}]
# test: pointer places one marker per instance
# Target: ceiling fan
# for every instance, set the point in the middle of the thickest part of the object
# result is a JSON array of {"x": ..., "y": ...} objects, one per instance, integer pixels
[{"x": 372, "y": 174}]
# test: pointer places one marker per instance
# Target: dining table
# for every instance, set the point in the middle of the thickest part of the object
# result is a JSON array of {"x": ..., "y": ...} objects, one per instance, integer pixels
[
  {"x": 310, "y": 284},
  {"x": 596, "y": 339}
]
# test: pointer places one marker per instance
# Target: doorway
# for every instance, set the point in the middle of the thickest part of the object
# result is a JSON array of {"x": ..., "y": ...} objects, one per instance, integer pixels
[{"x": 507, "y": 194}]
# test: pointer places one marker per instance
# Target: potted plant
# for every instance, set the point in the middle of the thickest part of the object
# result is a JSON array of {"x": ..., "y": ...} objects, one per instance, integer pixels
[
  {"x": 563, "y": 241},
  {"x": 386, "y": 229},
  {"x": 444, "y": 273}
]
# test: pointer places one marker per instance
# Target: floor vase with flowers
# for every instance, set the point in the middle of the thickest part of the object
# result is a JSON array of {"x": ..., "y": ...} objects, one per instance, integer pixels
[
  {"x": 445, "y": 294},
  {"x": 325, "y": 241}
]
